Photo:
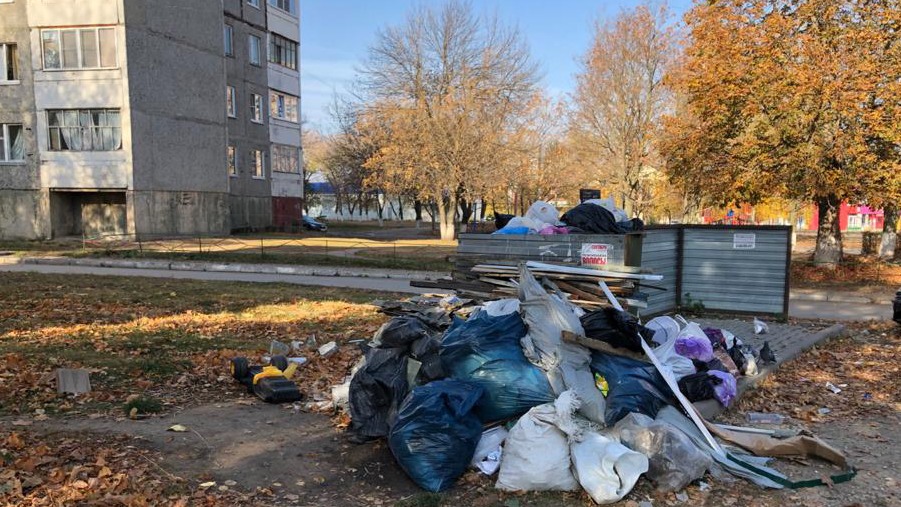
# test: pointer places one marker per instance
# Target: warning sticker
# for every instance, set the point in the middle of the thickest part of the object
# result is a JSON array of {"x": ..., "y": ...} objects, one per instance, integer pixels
[
  {"x": 595, "y": 254},
  {"x": 744, "y": 241}
]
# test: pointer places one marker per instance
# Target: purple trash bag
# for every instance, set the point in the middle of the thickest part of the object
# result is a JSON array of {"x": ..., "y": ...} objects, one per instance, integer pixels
[
  {"x": 695, "y": 348},
  {"x": 724, "y": 391}
]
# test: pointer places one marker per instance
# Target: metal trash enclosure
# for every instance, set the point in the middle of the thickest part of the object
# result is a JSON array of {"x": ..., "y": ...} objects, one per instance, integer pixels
[
  {"x": 732, "y": 268},
  {"x": 722, "y": 267}
]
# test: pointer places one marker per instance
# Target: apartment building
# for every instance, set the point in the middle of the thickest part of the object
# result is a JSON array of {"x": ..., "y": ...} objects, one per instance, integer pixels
[{"x": 137, "y": 117}]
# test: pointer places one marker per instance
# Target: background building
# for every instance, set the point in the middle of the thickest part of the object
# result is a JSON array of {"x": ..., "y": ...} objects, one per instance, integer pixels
[{"x": 142, "y": 117}]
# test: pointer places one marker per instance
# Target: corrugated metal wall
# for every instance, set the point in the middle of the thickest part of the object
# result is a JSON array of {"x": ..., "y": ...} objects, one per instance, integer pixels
[
  {"x": 737, "y": 269},
  {"x": 557, "y": 248},
  {"x": 659, "y": 251}
]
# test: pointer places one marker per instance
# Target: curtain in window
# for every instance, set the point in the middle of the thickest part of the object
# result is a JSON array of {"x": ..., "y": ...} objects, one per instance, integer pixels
[
  {"x": 70, "y": 132},
  {"x": 115, "y": 132},
  {"x": 51, "y": 50},
  {"x": 17, "y": 143}
]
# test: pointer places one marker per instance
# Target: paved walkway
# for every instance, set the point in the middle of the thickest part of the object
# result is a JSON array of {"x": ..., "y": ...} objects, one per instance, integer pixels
[
  {"x": 379, "y": 284},
  {"x": 829, "y": 310}
]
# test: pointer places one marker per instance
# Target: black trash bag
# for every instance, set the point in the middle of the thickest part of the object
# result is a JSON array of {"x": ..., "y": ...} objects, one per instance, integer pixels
[
  {"x": 426, "y": 351},
  {"x": 618, "y": 328},
  {"x": 634, "y": 225},
  {"x": 437, "y": 432},
  {"x": 501, "y": 220},
  {"x": 896, "y": 307},
  {"x": 699, "y": 386},
  {"x": 376, "y": 391},
  {"x": 400, "y": 332},
  {"x": 713, "y": 364},
  {"x": 486, "y": 350},
  {"x": 594, "y": 219},
  {"x": 634, "y": 386}
]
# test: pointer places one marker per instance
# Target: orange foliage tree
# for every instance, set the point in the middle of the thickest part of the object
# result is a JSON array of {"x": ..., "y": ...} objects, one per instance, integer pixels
[{"x": 790, "y": 98}]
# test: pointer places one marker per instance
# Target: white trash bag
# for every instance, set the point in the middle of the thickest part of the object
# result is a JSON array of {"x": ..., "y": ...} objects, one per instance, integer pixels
[
  {"x": 536, "y": 453},
  {"x": 606, "y": 469},
  {"x": 543, "y": 212}
]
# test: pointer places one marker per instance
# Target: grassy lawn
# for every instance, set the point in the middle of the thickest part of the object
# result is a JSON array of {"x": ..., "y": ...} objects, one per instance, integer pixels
[{"x": 154, "y": 337}]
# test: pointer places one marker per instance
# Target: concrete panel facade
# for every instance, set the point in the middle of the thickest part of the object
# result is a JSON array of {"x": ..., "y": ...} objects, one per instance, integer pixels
[
  {"x": 177, "y": 116},
  {"x": 250, "y": 197},
  {"x": 22, "y": 204}
]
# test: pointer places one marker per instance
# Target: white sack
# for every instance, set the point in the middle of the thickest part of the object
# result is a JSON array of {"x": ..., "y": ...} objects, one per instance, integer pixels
[
  {"x": 536, "y": 453},
  {"x": 543, "y": 212},
  {"x": 606, "y": 469},
  {"x": 566, "y": 364}
]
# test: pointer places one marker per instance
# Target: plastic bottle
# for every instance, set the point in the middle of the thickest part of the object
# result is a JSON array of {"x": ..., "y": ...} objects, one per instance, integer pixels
[{"x": 764, "y": 418}]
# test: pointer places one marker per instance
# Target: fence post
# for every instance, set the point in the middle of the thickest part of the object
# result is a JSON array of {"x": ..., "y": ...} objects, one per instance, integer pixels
[
  {"x": 395, "y": 252},
  {"x": 140, "y": 247},
  {"x": 326, "y": 247},
  {"x": 262, "y": 251},
  {"x": 199, "y": 244},
  {"x": 84, "y": 246}
]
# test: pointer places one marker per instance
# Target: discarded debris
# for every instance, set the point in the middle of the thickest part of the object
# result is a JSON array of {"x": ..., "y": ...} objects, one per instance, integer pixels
[
  {"x": 328, "y": 349},
  {"x": 73, "y": 381},
  {"x": 178, "y": 428}
]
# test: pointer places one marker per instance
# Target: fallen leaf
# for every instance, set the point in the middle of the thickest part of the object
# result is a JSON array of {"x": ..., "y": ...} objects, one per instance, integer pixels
[{"x": 178, "y": 428}]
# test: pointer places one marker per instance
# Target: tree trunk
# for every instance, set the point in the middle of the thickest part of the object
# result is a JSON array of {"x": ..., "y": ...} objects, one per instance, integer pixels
[
  {"x": 482, "y": 208},
  {"x": 465, "y": 213},
  {"x": 445, "y": 219},
  {"x": 889, "y": 246},
  {"x": 417, "y": 209},
  {"x": 829, "y": 235}
]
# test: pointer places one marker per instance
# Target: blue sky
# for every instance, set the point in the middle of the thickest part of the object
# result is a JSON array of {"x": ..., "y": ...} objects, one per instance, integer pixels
[{"x": 335, "y": 35}]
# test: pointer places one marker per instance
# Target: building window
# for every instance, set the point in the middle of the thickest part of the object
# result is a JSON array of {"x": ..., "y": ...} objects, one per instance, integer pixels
[
  {"x": 12, "y": 143},
  {"x": 9, "y": 63},
  {"x": 232, "y": 157},
  {"x": 285, "y": 5},
  {"x": 229, "y": 40},
  {"x": 282, "y": 106},
  {"x": 253, "y": 48},
  {"x": 84, "y": 129},
  {"x": 254, "y": 3},
  {"x": 256, "y": 164},
  {"x": 230, "y": 102},
  {"x": 282, "y": 51},
  {"x": 79, "y": 48},
  {"x": 256, "y": 108},
  {"x": 285, "y": 159}
]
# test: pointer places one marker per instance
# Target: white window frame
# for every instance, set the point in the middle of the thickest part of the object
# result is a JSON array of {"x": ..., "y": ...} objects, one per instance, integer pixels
[
  {"x": 283, "y": 99},
  {"x": 256, "y": 108},
  {"x": 231, "y": 157},
  {"x": 258, "y": 61},
  {"x": 78, "y": 48},
  {"x": 292, "y": 6},
  {"x": 258, "y": 159},
  {"x": 4, "y": 63},
  {"x": 254, "y": 3},
  {"x": 231, "y": 104},
  {"x": 228, "y": 35},
  {"x": 6, "y": 144}
]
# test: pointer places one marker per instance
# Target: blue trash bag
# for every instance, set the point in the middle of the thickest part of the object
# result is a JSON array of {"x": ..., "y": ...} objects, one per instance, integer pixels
[
  {"x": 436, "y": 432},
  {"x": 634, "y": 386},
  {"x": 486, "y": 350}
]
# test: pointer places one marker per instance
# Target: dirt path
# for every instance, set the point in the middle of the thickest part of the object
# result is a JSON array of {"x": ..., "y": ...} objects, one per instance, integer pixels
[{"x": 304, "y": 460}]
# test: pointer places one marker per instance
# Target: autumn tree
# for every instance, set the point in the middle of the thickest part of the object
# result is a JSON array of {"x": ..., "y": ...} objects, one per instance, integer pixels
[
  {"x": 786, "y": 98},
  {"x": 442, "y": 91},
  {"x": 619, "y": 101}
]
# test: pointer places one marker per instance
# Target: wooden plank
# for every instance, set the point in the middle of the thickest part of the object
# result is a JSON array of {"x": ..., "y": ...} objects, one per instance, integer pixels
[
  {"x": 585, "y": 296},
  {"x": 600, "y": 346}
]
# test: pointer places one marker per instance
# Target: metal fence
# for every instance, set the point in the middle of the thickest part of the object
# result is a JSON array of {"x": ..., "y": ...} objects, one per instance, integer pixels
[
  {"x": 720, "y": 267},
  {"x": 403, "y": 253}
]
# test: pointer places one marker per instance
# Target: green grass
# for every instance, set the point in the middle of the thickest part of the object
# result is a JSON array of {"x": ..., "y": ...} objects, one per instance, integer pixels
[{"x": 144, "y": 404}]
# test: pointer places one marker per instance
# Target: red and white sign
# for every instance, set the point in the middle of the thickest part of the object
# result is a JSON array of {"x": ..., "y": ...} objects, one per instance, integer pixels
[{"x": 595, "y": 254}]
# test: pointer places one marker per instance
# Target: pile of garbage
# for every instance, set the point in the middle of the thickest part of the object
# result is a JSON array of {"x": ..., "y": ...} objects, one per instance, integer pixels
[
  {"x": 594, "y": 216},
  {"x": 550, "y": 396}
]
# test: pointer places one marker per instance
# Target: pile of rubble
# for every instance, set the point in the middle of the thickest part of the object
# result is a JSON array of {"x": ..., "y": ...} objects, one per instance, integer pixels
[{"x": 552, "y": 395}]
